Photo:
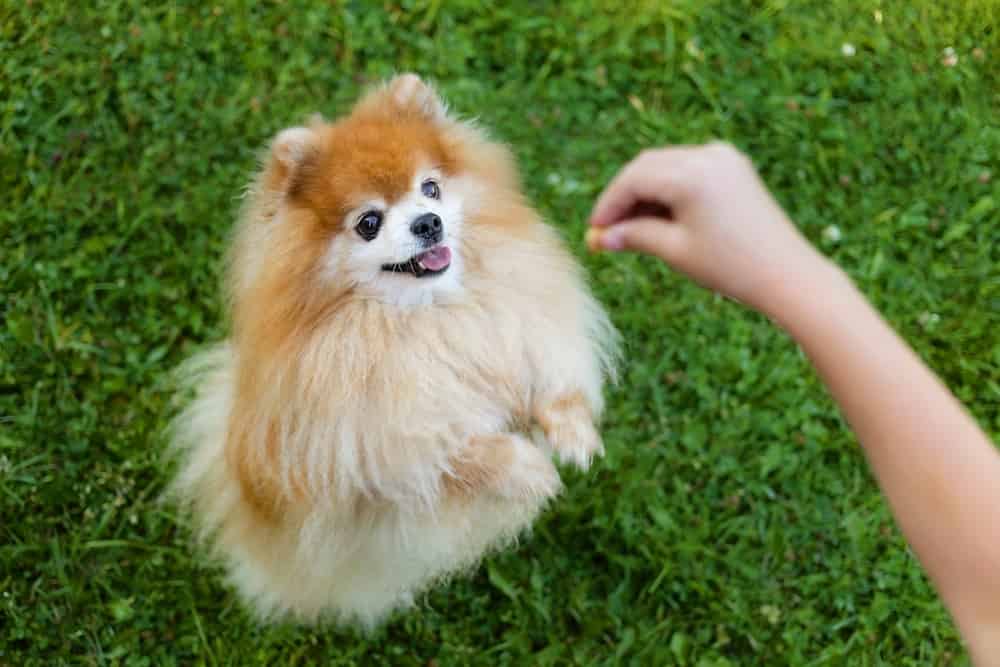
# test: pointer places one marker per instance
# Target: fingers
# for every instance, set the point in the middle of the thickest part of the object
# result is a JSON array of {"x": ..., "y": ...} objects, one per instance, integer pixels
[
  {"x": 653, "y": 176},
  {"x": 649, "y": 236}
]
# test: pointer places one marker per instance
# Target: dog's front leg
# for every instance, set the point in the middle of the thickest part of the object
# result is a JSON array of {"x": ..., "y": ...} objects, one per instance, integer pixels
[
  {"x": 568, "y": 422},
  {"x": 505, "y": 464}
]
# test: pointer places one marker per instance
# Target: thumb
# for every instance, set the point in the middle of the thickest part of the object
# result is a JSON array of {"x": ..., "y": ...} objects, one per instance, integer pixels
[{"x": 649, "y": 236}]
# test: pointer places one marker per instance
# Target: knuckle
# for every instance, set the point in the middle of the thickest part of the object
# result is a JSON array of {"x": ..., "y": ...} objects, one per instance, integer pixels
[
  {"x": 727, "y": 151},
  {"x": 645, "y": 158},
  {"x": 722, "y": 148},
  {"x": 635, "y": 167}
]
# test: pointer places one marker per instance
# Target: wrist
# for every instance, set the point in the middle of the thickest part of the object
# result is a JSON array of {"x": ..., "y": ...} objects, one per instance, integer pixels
[{"x": 814, "y": 286}]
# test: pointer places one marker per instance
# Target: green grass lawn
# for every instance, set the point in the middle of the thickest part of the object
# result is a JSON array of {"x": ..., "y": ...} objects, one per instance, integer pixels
[{"x": 733, "y": 521}]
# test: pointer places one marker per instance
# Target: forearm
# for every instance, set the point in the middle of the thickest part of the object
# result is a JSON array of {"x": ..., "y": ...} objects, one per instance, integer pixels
[{"x": 939, "y": 471}]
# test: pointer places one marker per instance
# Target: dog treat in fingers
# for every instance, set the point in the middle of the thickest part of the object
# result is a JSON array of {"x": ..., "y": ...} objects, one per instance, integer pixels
[{"x": 593, "y": 238}]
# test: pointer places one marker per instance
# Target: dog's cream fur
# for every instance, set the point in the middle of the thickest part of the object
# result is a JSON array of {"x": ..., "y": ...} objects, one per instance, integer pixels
[{"x": 362, "y": 435}]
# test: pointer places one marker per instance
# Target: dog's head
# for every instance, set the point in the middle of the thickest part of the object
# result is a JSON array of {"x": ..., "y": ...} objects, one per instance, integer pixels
[{"x": 377, "y": 202}]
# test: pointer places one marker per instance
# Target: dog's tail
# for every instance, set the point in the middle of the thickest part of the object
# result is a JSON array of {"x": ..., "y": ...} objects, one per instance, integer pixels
[{"x": 197, "y": 437}]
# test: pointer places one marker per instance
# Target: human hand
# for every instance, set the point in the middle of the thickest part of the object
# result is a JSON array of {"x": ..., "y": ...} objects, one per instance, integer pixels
[{"x": 705, "y": 212}]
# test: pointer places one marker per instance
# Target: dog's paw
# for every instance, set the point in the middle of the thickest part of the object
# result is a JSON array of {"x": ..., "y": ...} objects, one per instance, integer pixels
[
  {"x": 576, "y": 441},
  {"x": 570, "y": 431},
  {"x": 530, "y": 475}
]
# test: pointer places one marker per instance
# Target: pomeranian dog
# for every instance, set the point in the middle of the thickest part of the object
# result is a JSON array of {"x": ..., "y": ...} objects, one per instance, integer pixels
[{"x": 409, "y": 344}]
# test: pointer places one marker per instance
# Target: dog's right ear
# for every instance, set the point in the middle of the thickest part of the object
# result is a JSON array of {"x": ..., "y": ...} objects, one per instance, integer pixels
[
  {"x": 291, "y": 151},
  {"x": 405, "y": 95}
]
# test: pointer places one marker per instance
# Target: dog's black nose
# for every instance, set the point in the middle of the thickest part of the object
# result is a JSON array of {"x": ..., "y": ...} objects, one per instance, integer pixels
[{"x": 427, "y": 227}]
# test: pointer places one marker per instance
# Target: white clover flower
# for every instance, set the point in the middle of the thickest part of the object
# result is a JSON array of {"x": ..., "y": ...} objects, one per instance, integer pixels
[
  {"x": 928, "y": 320},
  {"x": 563, "y": 184},
  {"x": 572, "y": 185},
  {"x": 949, "y": 58},
  {"x": 771, "y": 613},
  {"x": 833, "y": 234},
  {"x": 848, "y": 49}
]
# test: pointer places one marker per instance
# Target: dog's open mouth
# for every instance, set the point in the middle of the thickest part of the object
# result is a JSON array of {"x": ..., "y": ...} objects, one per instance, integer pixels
[{"x": 428, "y": 263}]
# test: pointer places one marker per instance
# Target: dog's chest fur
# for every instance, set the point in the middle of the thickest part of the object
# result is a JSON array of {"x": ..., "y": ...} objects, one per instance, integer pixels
[{"x": 458, "y": 370}]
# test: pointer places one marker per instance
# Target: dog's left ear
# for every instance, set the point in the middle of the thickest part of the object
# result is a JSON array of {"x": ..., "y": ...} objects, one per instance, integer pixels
[
  {"x": 408, "y": 95},
  {"x": 290, "y": 151}
]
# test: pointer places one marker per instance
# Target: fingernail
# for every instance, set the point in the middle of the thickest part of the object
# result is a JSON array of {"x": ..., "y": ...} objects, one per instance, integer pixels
[{"x": 613, "y": 239}]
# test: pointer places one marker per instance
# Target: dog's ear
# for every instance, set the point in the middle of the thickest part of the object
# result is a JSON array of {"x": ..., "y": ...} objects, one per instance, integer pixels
[
  {"x": 291, "y": 152},
  {"x": 411, "y": 93},
  {"x": 406, "y": 95}
]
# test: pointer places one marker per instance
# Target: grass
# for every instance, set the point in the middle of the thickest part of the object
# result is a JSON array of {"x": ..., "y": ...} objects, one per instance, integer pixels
[{"x": 733, "y": 521}]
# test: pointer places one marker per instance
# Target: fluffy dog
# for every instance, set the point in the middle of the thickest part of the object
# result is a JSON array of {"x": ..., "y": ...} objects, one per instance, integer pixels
[{"x": 408, "y": 342}]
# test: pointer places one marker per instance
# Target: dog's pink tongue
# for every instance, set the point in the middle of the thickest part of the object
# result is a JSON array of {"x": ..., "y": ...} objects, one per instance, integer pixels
[{"x": 435, "y": 259}]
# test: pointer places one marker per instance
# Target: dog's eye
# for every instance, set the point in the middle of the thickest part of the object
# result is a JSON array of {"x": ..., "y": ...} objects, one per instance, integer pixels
[
  {"x": 430, "y": 189},
  {"x": 368, "y": 225}
]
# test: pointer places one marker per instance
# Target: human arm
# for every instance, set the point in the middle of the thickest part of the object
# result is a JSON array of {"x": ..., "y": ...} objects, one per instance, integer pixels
[{"x": 715, "y": 221}]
